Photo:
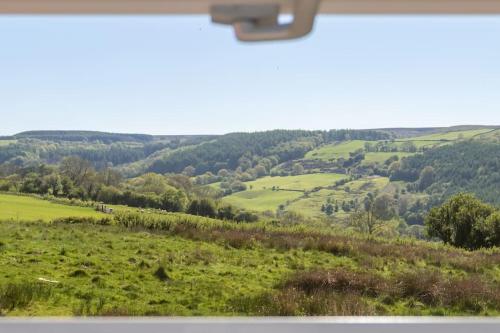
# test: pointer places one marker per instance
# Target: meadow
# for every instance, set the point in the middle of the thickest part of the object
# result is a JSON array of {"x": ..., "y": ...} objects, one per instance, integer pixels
[
  {"x": 149, "y": 265},
  {"x": 331, "y": 152},
  {"x": 27, "y": 208},
  {"x": 310, "y": 205},
  {"x": 6, "y": 142},
  {"x": 450, "y": 136},
  {"x": 381, "y": 157},
  {"x": 269, "y": 193},
  {"x": 335, "y": 151}
]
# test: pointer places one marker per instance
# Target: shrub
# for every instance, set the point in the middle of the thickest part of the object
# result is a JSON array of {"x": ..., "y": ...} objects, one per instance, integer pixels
[
  {"x": 161, "y": 274},
  {"x": 465, "y": 221}
]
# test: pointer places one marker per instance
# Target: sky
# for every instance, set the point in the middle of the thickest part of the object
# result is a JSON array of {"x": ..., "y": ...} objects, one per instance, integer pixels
[{"x": 185, "y": 75}]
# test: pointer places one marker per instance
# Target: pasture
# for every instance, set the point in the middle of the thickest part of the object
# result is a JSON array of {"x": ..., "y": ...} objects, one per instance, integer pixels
[
  {"x": 14, "y": 207},
  {"x": 310, "y": 205},
  {"x": 450, "y": 136},
  {"x": 6, "y": 142},
  {"x": 84, "y": 268},
  {"x": 335, "y": 150},
  {"x": 108, "y": 270},
  {"x": 260, "y": 195},
  {"x": 381, "y": 157}
]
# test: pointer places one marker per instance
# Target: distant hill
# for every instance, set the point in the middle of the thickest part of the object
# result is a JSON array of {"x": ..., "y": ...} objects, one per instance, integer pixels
[
  {"x": 409, "y": 132},
  {"x": 470, "y": 166},
  {"x": 84, "y": 136}
]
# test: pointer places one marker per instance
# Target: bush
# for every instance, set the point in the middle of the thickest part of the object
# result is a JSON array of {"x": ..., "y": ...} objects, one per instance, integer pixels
[{"x": 465, "y": 221}]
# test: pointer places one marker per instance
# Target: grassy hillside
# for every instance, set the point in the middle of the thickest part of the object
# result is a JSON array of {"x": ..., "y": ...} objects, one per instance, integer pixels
[
  {"x": 381, "y": 157},
  {"x": 6, "y": 142},
  {"x": 14, "y": 207},
  {"x": 310, "y": 205},
  {"x": 452, "y": 135},
  {"x": 335, "y": 150},
  {"x": 191, "y": 268},
  {"x": 260, "y": 195}
]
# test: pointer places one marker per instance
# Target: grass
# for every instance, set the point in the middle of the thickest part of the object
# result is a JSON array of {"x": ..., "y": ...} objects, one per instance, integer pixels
[
  {"x": 146, "y": 265},
  {"x": 310, "y": 205},
  {"x": 365, "y": 292},
  {"x": 381, "y": 157},
  {"x": 450, "y": 136},
  {"x": 334, "y": 151},
  {"x": 13, "y": 207},
  {"x": 109, "y": 270},
  {"x": 260, "y": 195},
  {"x": 6, "y": 142}
]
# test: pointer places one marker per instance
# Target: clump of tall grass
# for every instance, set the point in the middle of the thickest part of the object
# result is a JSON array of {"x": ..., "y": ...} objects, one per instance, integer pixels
[
  {"x": 343, "y": 291},
  {"x": 83, "y": 220},
  {"x": 21, "y": 294}
]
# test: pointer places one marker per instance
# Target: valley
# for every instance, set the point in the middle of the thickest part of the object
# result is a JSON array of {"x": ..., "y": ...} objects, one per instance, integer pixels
[{"x": 103, "y": 224}]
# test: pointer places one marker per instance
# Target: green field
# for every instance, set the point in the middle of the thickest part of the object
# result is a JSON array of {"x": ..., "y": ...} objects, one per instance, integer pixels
[
  {"x": 26, "y": 208},
  {"x": 336, "y": 150},
  {"x": 58, "y": 269},
  {"x": 6, "y": 142},
  {"x": 260, "y": 196},
  {"x": 310, "y": 206},
  {"x": 450, "y": 136},
  {"x": 381, "y": 157},
  {"x": 111, "y": 270}
]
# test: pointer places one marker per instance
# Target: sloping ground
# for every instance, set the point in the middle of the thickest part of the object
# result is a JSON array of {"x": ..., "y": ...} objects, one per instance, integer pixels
[
  {"x": 13, "y": 207},
  {"x": 310, "y": 205},
  {"x": 105, "y": 270},
  {"x": 140, "y": 265},
  {"x": 261, "y": 196},
  {"x": 336, "y": 150},
  {"x": 6, "y": 142},
  {"x": 451, "y": 136}
]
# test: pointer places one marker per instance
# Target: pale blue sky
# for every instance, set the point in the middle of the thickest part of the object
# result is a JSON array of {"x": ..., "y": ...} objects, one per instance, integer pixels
[{"x": 183, "y": 75}]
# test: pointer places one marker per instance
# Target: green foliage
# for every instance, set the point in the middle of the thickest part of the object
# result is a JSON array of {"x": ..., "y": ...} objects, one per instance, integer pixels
[
  {"x": 462, "y": 167},
  {"x": 235, "y": 150},
  {"x": 465, "y": 221}
]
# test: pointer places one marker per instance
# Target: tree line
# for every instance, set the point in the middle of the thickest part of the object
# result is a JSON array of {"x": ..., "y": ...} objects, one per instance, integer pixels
[{"x": 76, "y": 178}]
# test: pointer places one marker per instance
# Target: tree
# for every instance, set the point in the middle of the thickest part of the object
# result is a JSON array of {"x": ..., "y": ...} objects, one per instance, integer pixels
[
  {"x": 110, "y": 177},
  {"x": 223, "y": 173},
  {"x": 260, "y": 170},
  {"x": 383, "y": 207},
  {"x": 189, "y": 171},
  {"x": 77, "y": 169},
  {"x": 329, "y": 210},
  {"x": 426, "y": 178},
  {"x": 297, "y": 169},
  {"x": 409, "y": 146},
  {"x": 465, "y": 221},
  {"x": 376, "y": 209},
  {"x": 202, "y": 207}
]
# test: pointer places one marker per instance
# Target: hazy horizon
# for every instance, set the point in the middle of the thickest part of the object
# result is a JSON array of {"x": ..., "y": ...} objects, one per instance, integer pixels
[{"x": 250, "y": 131}]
